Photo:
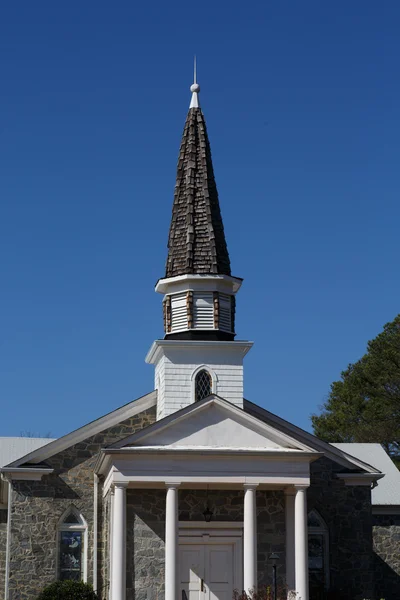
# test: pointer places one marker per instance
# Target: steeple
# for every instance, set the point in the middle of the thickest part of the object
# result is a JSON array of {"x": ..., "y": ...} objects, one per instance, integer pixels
[
  {"x": 199, "y": 300},
  {"x": 198, "y": 355},
  {"x": 196, "y": 241}
]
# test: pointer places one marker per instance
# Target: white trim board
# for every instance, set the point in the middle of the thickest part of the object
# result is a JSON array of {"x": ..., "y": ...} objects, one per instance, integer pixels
[
  {"x": 342, "y": 458},
  {"x": 109, "y": 420}
]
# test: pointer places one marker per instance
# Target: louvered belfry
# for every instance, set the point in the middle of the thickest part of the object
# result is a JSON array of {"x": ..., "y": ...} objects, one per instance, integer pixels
[{"x": 196, "y": 243}]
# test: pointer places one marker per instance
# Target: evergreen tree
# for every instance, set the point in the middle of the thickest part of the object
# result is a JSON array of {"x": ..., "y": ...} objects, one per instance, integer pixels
[{"x": 364, "y": 406}]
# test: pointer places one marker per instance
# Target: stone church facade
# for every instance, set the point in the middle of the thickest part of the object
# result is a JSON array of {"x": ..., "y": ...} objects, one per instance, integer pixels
[{"x": 191, "y": 491}]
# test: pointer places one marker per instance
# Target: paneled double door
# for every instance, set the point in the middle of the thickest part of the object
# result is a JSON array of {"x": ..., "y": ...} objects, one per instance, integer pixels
[{"x": 210, "y": 566}]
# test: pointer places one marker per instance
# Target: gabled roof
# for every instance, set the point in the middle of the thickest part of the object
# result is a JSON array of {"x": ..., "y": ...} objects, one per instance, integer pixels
[
  {"x": 109, "y": 420},
  {"x": 346, "y": 460},
  {"x": 12, "y": 448},
  {"x": 210, "y": 425},
  {"x": 196, "y": 241},
  {"x": 387, "y": 492}
]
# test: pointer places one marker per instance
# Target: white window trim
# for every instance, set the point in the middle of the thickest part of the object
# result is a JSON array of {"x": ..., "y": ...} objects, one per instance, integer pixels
[
  {"x": 214, "y": 380},
  {"x": 322, "y": 530},
  {"x": 82, "y": 526}
]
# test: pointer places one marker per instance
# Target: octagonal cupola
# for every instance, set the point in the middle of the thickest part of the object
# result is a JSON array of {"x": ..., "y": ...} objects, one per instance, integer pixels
[{"x": 199, "y": 290}]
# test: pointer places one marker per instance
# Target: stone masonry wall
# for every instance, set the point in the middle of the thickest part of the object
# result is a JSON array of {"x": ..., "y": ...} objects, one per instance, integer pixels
[
  {"x": 146, "y": 532},
  {"x": 3, "y": 545},
  {"x": 386, "y": 538},
  {"x": 347, "y": 514},
  {"x": 37, "y": 507}
]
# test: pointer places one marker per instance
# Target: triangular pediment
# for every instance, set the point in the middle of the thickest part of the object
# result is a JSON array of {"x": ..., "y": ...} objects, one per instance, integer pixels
[{"x": 212, "y": 423}]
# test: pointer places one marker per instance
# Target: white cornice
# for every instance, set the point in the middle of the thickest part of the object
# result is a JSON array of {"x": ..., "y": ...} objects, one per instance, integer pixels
[
  {"x": 160, "y": 346},
  {"x": 32, "y": 474},
  {"x": 199, "y": 283},
  {"x": 367, "y": 479},
  {"x": 117, "y": 416},
  {"x": 331, "y": 452},
  {"x": 295, "y": 455}
]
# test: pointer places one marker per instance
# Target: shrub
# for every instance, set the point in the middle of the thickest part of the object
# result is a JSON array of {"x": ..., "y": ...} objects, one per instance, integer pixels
[
  {"x": 262, "y": 593},
  {"x": 68, "y": 590}
]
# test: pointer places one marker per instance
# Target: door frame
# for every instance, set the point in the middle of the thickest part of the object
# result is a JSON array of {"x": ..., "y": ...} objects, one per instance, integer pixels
[{"x": 217, "y": 532}]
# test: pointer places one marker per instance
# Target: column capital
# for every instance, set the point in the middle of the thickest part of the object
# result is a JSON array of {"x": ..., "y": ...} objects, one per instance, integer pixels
[
  {"x": 290, "y": 491},
  {"x": 301, "y": 487},
  {"x": 250, "y": 486},
  {"x": 173, "y": 485},
  {"x": 119, "y": 485}
]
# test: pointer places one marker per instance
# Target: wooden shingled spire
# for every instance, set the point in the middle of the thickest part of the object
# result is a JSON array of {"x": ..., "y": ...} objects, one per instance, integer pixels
[{"x": 196, "y": 243}]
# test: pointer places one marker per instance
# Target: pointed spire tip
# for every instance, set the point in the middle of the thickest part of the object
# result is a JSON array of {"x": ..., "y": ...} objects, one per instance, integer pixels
[{"x": 195, "y": 88}]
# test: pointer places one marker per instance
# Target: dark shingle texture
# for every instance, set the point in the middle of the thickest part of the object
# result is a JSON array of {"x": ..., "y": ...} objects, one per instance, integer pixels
[{"x": 196, "y": 242}]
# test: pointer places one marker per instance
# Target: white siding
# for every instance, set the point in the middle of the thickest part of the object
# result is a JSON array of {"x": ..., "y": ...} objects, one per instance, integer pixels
[
  {"x": 159, "y": 385},
  {"x": 203, "y": 310},
  {"x": 176, "y": 367}
]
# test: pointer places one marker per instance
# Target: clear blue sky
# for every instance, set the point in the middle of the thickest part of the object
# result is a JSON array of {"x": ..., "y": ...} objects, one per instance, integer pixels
[{"x": 302, "y": 105}]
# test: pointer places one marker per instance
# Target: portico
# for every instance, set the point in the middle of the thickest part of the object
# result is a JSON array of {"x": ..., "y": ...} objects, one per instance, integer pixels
[
  {"x": 296, "y": 529},
  {"x": 155, "y": 459}
]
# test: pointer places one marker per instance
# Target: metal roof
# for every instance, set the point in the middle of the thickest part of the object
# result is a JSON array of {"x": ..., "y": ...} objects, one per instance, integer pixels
[
  {"x": 12, "y": 448},
  {"x": 387, "y": 492}
]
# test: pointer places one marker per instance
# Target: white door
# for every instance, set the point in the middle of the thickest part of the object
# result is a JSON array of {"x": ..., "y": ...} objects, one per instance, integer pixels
[
  {"x": 219, "y": 569},
  {"x": 192, "y": 572},
  {"x": 207, "y": 570}
]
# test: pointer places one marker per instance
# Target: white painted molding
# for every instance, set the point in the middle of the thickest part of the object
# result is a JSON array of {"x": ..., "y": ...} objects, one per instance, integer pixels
[
  {"x": 196, "y": 283},
  {"x": 365, "y": 479},
  {"x": 24, "y": 474},
  {"x": 309, "y": 439},
  {"x": 158, "y": 346},
  {"x": 113, "y": 418}
]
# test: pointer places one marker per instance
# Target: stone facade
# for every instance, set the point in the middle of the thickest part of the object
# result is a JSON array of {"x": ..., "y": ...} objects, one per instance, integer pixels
[
  {"x": 386, "y": 536},
  {"x": 146, "y": 532},
  {"x": 3, "y": 545},
  {"x": 37, "y": 507},
  {"x": 346, "y": 511}
]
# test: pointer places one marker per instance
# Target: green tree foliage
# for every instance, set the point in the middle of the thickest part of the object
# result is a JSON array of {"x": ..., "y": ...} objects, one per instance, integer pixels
[
  {"x": 68, "y": 590},
  {"x": 364, "y": 406}
]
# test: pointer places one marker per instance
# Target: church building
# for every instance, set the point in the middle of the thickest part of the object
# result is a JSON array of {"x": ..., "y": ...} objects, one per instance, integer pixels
[{"x": 191, "y": 491}]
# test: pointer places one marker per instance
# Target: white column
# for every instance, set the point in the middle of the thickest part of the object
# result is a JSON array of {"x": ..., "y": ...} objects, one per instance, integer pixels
[
  {"x": 250, "y": 538},
  {"x": 301, "y": 542},
  {"x": 289, "y": 526},
  {"x": 171, "y": 543},
  {"x": 118, "y": 559}
]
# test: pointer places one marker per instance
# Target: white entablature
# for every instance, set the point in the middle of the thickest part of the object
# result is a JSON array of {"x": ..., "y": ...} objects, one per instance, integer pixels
[{"x": 179, "y": 362}]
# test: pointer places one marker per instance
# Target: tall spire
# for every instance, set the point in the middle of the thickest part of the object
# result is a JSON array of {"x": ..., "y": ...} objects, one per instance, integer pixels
[{"x": 196, "y": 243}]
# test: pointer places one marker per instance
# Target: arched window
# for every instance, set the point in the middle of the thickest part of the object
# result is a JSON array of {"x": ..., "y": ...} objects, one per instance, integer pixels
[
  {"x": 202, "y": 385},
  {"x": 72, "y": 546},
  {"x": 318, "y": 554}
]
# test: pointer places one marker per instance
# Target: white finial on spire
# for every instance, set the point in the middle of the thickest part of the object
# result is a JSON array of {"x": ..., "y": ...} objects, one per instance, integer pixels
[{"x": 195, "y": 88}]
